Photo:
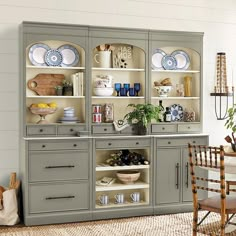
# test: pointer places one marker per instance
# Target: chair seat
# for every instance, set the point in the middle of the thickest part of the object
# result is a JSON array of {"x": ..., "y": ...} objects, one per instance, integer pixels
[{"x": 213, "y": 204}]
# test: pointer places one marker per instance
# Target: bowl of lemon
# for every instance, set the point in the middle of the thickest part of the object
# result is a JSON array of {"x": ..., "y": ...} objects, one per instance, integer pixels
[{"x": 43, "y": 109}]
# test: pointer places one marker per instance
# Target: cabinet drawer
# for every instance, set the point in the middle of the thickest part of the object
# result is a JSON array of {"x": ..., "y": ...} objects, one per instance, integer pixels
[
  {"x": 189, "y": 128},
  {"x": 172, "y": 142},
  {"x": 104, "y": 129},
  {"x": 58, "y": 145},
  {"x": 39, "y": 130},
  {"x": 69, "y": 129},
  {"x": 58, "y": 197},
  {"x": 163, "y": 128},
  {"x": 129, "y": 130},
  {"x": 123, "y": 143},
  {"x": 63, "y": 165}
]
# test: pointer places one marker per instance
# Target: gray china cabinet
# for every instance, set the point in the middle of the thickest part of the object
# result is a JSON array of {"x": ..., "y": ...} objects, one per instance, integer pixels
[{"x": 68, "y": 136}]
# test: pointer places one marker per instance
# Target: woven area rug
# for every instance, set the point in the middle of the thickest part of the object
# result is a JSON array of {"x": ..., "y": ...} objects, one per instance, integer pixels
[{"x": 163, "y": 225}]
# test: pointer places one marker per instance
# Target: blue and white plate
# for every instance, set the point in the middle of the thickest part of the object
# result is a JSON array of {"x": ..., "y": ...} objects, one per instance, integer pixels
[
  {"x": 53, "y": 57},
  {"x": 169, "y": 62},
  {"x": 177, "y": 112},
  {"x": 70, "y": 55},
  {"x": 37, "y": 54},
  {"x": 182, "y": 58},
  {"x": 157, "y": 56}
]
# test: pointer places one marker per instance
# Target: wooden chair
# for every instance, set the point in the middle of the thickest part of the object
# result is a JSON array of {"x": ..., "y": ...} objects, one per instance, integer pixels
[{"x": 211, "y": 158}]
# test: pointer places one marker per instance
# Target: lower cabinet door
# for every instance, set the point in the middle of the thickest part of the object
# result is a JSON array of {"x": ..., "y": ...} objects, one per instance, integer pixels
[
  {"x": 168, "y": 175},
  {"x": 58, "y": 197}
]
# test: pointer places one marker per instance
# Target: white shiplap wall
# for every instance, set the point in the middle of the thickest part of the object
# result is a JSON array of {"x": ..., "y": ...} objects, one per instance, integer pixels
[{"x": 216, "y": 18}]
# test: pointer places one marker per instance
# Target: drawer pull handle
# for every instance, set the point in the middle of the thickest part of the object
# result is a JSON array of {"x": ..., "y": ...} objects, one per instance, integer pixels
[
  {"x": 105, "y": 129},
  {"x": 189, "y": 127},
  {"x": 194, "y": 141},
  {"x": 169, "y": 142},
  {"x": 137, "y": 143},
  {"x": 163, "y": 128},
  {"x": 41, "y": 130},
  {"x": 71, "y": 130},
  {"x": 109, "y": 144},
  {"x": 62, "y": 197},
  {"x": 43, "y": 146},
  {"x": 54, "y": 167},
  {"x": 75, "y": 145}
]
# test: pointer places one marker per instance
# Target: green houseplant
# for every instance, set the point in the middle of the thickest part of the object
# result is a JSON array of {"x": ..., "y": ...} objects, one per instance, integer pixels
[
  {"x": 67, "y": 87},
  {"x": 142, "y": 115},
  {"x": 231, "y": 124}
]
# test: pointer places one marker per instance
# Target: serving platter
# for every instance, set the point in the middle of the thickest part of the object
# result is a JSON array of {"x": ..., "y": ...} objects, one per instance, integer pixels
[
  {"x": 69, "y": 54},
  {"x": 182, "y": 59},
  {"x": 157, "y": 56},
  {"x": 37, "y": 54}
]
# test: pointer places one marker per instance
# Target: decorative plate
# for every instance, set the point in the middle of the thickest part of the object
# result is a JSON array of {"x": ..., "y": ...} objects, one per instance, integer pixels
[
  {"x": 182, "y": 58},
  {"x": 53, "y": 57},
  {"x": 37, "y": 54},
  {"x": 157, "y": 58},
  {"x": 177, "y": 113},
  {"x": 169, "y": 62},
  {"x": 70, "y": 55}
]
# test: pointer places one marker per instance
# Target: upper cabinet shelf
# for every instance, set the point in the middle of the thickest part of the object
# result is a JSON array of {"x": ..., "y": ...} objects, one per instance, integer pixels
[
  {"x": 118, "y": 69},
  {"x": 176, "y": 71},
  {"x": 129, "y": 61},
  {"x": 55, "y": 67}
]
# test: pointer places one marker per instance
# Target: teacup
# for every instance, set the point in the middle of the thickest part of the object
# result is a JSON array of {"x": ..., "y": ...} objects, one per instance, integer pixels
[
  {"x": 119, "y": 198},
  {"x": 104, "y": 199},
  {"x": 135, "y": 196}
]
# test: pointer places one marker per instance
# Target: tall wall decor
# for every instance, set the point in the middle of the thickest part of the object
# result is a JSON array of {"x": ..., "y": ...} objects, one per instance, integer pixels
[{"x": 222, "y": 91}]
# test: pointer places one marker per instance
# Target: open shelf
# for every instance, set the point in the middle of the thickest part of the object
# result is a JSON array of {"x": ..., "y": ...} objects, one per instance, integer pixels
[
  {"x": 177, "y": 71},
  {"x": 39, "y": 97},
  {"x": 120, "y": 186},
  {"x": 55, "y": 67},
  {"x": 118, "y": 97},
  {"x": 104, "y": 167},
  {"x": 118, "y": 69},
  {"x": 179, "y": 98},
  {"x": 125, "y": 204}
]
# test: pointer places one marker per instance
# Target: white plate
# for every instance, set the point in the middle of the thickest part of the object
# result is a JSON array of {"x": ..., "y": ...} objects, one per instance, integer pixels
[
  {"x": 70, "y": 55},
  {"x": 37, "y": 54},
  {"x": 182, "y": 59},
  {"x": 157, "y": 58},
  {"x": 177, "y": 112}
]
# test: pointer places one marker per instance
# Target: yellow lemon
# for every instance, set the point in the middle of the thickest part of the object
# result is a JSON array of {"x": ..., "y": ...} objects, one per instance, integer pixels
[
  {"x": 52, "y": 104},
  {"x": 42, "y": 105}
]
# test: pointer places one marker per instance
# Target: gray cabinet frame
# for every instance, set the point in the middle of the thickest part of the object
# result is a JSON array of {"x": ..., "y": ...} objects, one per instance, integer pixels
[{"x": 88, "y": 37}]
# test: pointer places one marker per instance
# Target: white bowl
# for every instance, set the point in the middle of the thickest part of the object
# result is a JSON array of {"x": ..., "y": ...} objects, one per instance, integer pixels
[
  {"x": 103, "y": 91},
  {"x": 128, "y": 176},
  {"x": 163, "y": 91}
]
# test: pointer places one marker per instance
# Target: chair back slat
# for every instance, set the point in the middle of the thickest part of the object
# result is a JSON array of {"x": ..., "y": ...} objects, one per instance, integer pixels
[{"x": 211, "y": 158}]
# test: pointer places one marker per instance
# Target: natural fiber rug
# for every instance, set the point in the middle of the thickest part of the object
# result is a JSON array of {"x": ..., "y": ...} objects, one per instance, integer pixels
[{"x": 163, "y": 225}]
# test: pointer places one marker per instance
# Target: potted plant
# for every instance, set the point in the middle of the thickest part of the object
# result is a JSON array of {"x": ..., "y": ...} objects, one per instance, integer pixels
[
  {"x": 142, "y": 115},
  {"x": 59, "y": 90},
  {"x": 67, "y": 87},
  {"x": 231, "y": 124}
]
